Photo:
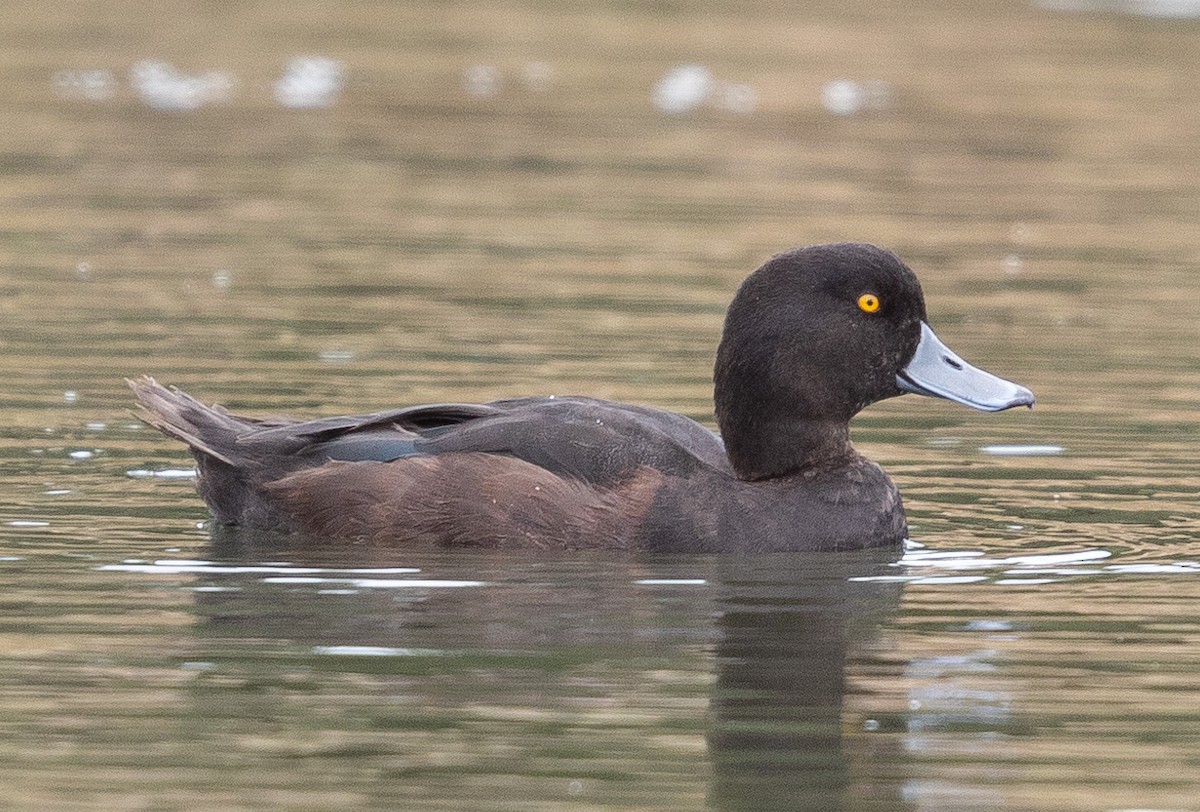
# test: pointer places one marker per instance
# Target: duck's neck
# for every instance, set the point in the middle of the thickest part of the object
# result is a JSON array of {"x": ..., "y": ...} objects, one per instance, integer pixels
[
  {"x": 768, "y": 448},
  {"x": 777, "y": 425}
]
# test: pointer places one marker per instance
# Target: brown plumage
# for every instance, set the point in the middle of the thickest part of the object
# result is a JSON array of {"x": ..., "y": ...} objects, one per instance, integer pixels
[
  {"x": 811, "y": 338},
  {"x": 467, "y": 499}
]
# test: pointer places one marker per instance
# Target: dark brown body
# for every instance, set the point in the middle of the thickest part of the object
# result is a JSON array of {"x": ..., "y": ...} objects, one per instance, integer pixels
[
  {"x": 603, "y": 475},
  {"x": 482, "y": 499}
]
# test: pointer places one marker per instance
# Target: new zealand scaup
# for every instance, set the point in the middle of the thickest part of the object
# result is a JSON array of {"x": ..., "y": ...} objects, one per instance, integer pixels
[{"x": 811, "y": 338}]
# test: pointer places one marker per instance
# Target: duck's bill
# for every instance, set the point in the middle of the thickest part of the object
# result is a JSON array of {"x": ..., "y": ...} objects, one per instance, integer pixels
[{"x": 937, "y": 372}]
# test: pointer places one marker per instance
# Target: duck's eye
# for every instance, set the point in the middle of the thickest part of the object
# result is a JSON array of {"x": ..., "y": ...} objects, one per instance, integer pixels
[{"x": 868, "y": 303}]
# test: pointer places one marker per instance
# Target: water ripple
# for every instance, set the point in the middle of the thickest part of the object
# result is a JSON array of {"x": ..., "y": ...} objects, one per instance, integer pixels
[
  {"x": 378, "y": 583},
  {"x": 933, "y": 567},
  {"x": 175, "y": 567}
]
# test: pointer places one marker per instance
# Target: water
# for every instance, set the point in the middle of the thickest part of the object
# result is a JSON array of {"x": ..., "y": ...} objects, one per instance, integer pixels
[{"x": 320, "y": 211}]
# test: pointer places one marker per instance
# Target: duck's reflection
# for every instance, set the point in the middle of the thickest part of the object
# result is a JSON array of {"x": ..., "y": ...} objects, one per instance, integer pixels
[
  {"x": 792, "y": 627},
  {"x": 772, "y": 641}
]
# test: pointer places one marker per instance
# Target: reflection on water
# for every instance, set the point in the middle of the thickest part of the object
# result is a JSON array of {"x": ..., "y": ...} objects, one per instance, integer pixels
[
  {"x": 474, "y": 679},
  {"x": 293, "y": 210},
  {"x": 791, "y": 634}
]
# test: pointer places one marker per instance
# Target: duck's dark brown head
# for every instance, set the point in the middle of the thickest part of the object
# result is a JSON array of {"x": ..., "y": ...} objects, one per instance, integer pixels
[{"x": 814, "y": 336}]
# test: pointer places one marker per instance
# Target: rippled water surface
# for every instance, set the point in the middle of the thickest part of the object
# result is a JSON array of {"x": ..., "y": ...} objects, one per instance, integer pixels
[{"x": 314, "y": 209}]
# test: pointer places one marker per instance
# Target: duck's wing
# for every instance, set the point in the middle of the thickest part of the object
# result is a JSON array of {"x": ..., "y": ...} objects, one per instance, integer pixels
[
  {"x": 549, "y": 472},
  {"x": 409, "y": 418},
  {"x": 590, "y": 440},
  {"x": 380, "y": 436}
]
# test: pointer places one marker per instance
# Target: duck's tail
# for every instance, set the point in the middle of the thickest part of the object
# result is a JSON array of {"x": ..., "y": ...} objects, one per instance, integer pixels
[
  {"x": 208, "y": 430},
  {"x": 228, "y": 473}
]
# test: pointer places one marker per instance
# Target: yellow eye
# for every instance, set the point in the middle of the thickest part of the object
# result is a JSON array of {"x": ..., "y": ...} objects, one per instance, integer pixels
[{"x": 868, "y": 303}]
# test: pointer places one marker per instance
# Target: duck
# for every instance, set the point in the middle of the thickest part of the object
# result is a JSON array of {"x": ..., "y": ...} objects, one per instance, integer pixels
[{"x": 812, "y": 337}]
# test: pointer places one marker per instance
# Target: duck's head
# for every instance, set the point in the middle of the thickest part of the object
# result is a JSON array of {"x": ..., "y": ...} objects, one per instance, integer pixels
[{"x": 815, "y": 335}]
